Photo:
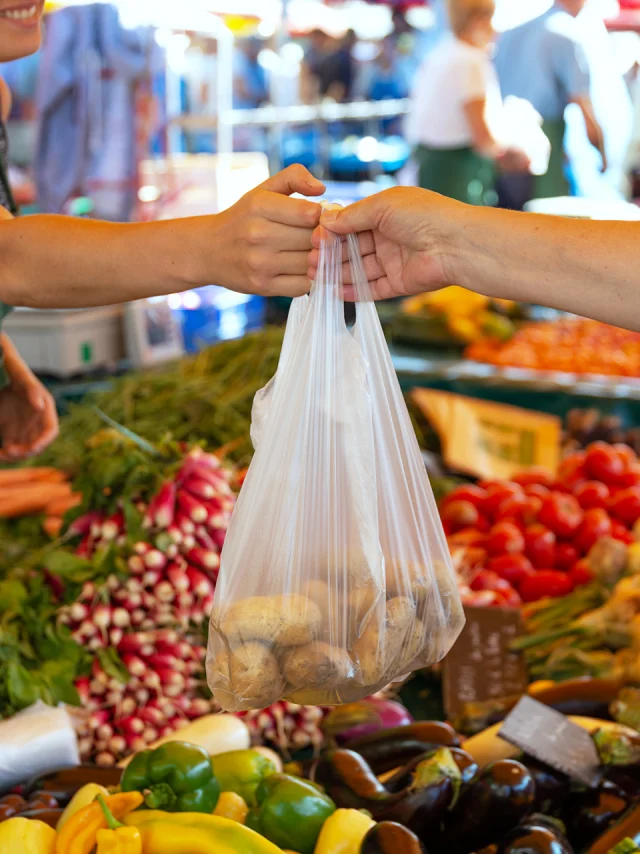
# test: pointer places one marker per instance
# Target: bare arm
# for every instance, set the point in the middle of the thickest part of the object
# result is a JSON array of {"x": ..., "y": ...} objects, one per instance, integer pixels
[
  {"x": 595, "y": 133},
  {"x": 484, "y": 142},
  {"x": 413, "y": 240},
  {"x": 257, "y": 246},
  {"x": 588, "y": 268}
]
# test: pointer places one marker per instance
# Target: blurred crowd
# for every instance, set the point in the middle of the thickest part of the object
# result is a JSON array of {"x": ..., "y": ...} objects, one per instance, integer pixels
[{"x": 541, "y": 110}]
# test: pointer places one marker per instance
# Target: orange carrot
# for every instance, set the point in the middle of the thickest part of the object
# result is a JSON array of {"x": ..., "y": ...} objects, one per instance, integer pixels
[
  {"x": 27, "y": 500},
  {"x": 11, "y": 477},
  {"x": 52, "y": 526},
  {"x": 59, "y": 506}
]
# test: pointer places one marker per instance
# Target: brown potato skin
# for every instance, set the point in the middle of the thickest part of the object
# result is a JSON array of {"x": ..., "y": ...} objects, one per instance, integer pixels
[
  {"x": 317, "y": 664},
  {"x": 247, "y": 677},
  {"x": 276, "y": 620}
]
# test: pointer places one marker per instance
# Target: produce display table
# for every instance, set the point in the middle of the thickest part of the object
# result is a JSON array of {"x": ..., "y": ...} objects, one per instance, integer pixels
[{"x": 555, "y": 393}]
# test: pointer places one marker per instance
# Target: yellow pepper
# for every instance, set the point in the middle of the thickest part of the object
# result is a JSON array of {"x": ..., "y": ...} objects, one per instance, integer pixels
[
  {"x": 26, "y": 836},
  {"x": 230, "y": 805},
  {"x": 82, "y": 798},
  {"x": 117, "y": 839},
  {"x": 79, "y": 834},
  {"x": 197, "y": 833},
  {"x": 343, "y": 832}
]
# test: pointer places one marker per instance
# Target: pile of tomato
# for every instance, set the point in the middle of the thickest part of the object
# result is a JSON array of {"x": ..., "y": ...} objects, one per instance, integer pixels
[
  {"x": 571, "y": 346},
  {"x": 528, "y": 538}
]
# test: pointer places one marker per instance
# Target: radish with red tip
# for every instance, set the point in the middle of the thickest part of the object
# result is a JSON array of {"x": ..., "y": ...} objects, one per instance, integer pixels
[
  {"x": 129, "y": 726},
  {"x": 192, "y": 508},
  {"x": 142, "y": 548},
  {"x": 115, "y": 636},
  {"x": 134, "y": 664},
  {"x": 82, "y": 525},
  {"x": 155, "y": 560},
  {"x": 153, "y": 717},
  {"x": 178, "y": 578},
  {"x": 204, "y": 539},
  {"x": 113, "y": 526},
  {"x": 161, "y": 511},
  {"x": 105, "y": 759},
  {"x": 117, "y": 744},
  {"x": 200, "y": 584},
  {"x": 185, "y": 523},
  {"x": 136, "y": 565},
  {"x": 209, "y": 561}
]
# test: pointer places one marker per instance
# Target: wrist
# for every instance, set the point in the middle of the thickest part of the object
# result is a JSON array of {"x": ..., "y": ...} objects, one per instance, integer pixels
[{"x": 457, "y": 224}]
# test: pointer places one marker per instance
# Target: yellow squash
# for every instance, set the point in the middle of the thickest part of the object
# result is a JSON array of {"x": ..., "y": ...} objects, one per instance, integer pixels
[
  {"x": 177, "y": 833},
  {"x": 26, "y": 836},
  {"x": 343, "y": 832}
]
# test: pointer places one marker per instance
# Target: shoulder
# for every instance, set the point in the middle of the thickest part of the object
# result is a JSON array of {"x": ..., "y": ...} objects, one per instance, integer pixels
[
  {"x": 5, "y": 100},
  {"x": 562, "y": 28}
]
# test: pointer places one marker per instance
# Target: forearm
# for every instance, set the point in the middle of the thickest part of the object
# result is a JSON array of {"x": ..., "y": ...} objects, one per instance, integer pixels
[
  {"x": 588, "y": 268},
  {"x": 60, "y": 262}
]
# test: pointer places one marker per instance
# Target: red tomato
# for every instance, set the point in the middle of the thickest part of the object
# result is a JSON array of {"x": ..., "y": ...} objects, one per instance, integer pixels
[
  {"x": 510, "y": 599},
  {"x": 522, "y": 510},
  {"x": 592, "y": 493},
  {"x": 469, "y": 538},
  {"x": 625, "y": 505},
  {"x": 505, "y": 538},
  {"x": 509, "y": 508},
  {"x": 537, "y": 490},
  {"x": 533, "y": 476},
  {"x": 619, "y": 532},
  {"x": 596, "y": 524},
  {"x": 604, "y": 463},
  {"x": 468, "y": 492},
  {"x": 631, "y": 477},
  {"x": 497, "y": 494},
  {"x": 581, "y": 573},
  {"x": 572, "y": 469},
  {"x": 514, "y": 568},
  {"x": 460, "y": 514},
  {"x": 540, "y": 545},
  {"x": 566, "y": 555},
  {"x": 486, "y": 580},
  {"x": 626, "y": 453},
  {"x": 545, "y": 582},
  {"x": 561, "y": 514}
]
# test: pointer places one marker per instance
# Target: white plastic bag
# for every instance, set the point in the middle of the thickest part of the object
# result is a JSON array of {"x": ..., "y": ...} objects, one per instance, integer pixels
[{"x": 335, "y": 576}]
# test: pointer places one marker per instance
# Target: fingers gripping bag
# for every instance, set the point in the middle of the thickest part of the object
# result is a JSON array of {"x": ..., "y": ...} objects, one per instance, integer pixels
[{"x": 335, "y": 576}]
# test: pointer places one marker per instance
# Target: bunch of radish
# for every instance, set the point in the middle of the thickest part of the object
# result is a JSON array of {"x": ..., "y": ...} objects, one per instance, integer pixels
[
  {"x": 287, "y": 726},
  {"x": 161, "y": 695},
  {"x": 153, "y": 613}
]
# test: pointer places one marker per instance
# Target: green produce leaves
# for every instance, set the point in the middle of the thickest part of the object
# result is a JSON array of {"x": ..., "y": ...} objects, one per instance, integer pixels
[
  {"x": 69, "y": 566},
  {"x": 112, "y": 665}
]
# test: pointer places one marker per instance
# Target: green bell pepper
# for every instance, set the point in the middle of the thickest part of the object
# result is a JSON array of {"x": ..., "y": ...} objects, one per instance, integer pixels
[
  {"x": 242, "y": 771},
  {"x": 176, "y": 777},
  {"x": 290, "y": 812}
]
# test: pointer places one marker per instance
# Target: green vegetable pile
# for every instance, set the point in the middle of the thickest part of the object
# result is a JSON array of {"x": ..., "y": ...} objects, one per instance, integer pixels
[{"x": 205, "y": 398}]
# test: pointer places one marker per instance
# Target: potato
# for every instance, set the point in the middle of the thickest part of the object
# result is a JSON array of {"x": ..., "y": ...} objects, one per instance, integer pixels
[
  {"x": 317, "y": 665},
  {"x": 278, "y": 620},
  {"x": 408, "y": 578},
  {"x": 247, "y": 677},
  {"x": 362, "y": 602},
  {"x": 318, "y": 592},
  {"x": 381, "y": 645}
]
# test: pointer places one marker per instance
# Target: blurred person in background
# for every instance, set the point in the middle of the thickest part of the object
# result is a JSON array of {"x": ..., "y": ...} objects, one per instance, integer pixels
[
  {"x": 328, "y": 69},
  {"x": 457, "y": 111},
  {"x": 250, "y": 84},
  {"x": 382, "y": 79},
  {"x": 544, "y": 62}
]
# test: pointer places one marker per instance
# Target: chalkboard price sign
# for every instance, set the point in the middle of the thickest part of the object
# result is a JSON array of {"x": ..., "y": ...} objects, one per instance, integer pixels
[
  {"x": 481, "y": 669},
  {"x": 552, "y": 738}
]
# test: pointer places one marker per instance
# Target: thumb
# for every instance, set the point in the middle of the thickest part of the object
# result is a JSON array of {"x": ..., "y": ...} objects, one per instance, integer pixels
[
  {"x": 35, "y": 395},
  {"x": 294, "y": 179},
  {"x": 361, "y": 216}
]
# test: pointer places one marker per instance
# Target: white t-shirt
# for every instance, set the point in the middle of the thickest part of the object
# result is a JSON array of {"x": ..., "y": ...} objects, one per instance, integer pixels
[{"x": 453, "y": 74}]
